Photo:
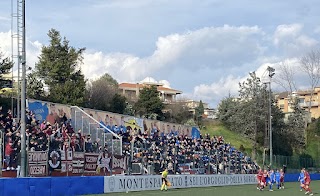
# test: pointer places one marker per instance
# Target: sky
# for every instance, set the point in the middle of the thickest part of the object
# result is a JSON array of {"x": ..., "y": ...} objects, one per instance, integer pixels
[{"x": 203, "y": 48}]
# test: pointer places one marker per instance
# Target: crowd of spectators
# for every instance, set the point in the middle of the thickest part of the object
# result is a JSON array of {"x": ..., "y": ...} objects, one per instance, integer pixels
[
  {"x": 178, "y": 153},
  {"x": 182, "y": 154},
  {"x": 11, "y": 140},
  {"x": 41, "y": 136}
]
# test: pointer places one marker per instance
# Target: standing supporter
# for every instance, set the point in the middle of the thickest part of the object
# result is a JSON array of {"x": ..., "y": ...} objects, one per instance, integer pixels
[{"x": 8, "y": 155}]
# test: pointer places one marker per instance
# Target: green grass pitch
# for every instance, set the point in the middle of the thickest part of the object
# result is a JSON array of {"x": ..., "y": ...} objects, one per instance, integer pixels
[{"x": 291, "y": 189}]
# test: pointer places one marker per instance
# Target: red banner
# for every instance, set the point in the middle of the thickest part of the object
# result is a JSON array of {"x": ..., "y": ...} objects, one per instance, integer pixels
[
  {"x": 37, "y": 163},
  {"x": 119, "y": 162},
  {"x": 66, "y": 161},
  {"x": 78, "y": 163},
  {"x": 91, "y": 160}
]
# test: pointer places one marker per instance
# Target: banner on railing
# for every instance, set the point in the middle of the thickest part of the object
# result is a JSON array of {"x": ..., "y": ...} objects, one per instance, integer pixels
[
  {"x": 91, "y": 162},
  {"x": 38, "y": 163},
  {"x": 54, "y": 159},
  {"x": 78, "y": 163},
  {"x": 153, "y": 182},
  {"x": 119, "y": 162},
  {"x": 66, "y": 161}
]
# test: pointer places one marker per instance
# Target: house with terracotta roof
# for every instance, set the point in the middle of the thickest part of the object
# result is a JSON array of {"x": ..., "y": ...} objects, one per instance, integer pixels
[
  {"x": 285, "y": 102},
  {"x": 132, "y": 90}
]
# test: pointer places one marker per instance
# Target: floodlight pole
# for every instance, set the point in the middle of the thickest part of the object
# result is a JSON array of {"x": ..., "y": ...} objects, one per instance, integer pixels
[
  {"x": 271, "y": 73},
  {"x": 23, "y": 93}
]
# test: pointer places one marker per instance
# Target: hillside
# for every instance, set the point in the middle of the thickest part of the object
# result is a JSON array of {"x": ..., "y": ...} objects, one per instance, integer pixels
[
  {"x": 236, "y": 140},
  {"x": 308, "y": 157}
]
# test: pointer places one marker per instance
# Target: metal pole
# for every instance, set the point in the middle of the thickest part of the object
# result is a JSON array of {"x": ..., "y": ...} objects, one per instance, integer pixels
[
  {"x": 19, "y": 58},
  {"x": 12, "y": 57},
  {"x": 23, "y": 94},
  {"x": 270, "y": 123}
]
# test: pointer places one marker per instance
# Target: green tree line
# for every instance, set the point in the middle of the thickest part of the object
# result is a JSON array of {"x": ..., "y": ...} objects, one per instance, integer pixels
[{"x": 249, "y": 115}]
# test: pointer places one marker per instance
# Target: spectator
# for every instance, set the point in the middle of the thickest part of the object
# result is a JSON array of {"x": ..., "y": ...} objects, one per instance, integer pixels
[{"x": 9, "y": 155}]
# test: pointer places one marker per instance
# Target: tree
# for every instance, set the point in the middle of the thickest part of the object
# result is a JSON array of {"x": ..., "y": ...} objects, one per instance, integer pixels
[
  {"x": 58, "y": 67},
  {"x": 226, "y": 109},
  {"x": 310, "y": 65},
  {"x": 285, "y": 77},
  {"x": 247, "y": 114},
  {"x": 199, "y": 111},
  {"x": 5, "y": 65},
  {"x": 118, "y": 104},
  {"x": 296, "y": 126},
  {"x": 35, "y": 88},
  {"x": 177, "y": 113},
  {"x": 102, "y": 92},
  {"x": 281, "y": 137},
  {"x": 149, "y": 103}
]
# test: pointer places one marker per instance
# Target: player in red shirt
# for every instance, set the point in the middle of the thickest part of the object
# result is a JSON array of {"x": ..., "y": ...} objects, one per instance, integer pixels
[
  {"x": 281, "y": 179},
  {"x": 264, "y": 180},
  {"x": 259, "y": 178},
  {"x": 307, "y": 181}
]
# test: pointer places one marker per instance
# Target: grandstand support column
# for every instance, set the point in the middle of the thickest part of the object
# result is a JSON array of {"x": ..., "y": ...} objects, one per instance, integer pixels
[
  {"x": 23, "y": 95},
  {"x": 271, "y": 73}
]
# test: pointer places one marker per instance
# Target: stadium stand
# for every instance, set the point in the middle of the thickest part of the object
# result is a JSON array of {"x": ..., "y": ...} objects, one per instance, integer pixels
[
  {"x": 182, "y": 154},
  {"x": 151, "y": 150}
]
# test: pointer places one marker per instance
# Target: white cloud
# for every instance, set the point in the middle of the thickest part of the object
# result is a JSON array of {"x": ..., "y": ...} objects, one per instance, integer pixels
[
  {"x": 229, "y": 85},
  {"x": 292, "y": 41},
  {"x": 203, "y": 48},
  {"x": 317, "y": 30},
  {"x": 211, "y": 60},
  {"x": 4, "y": 18},
  {"x": 32, "y": 51},
  {"x": 284, "y": 32},
  {"x": 216, "y": 91}
]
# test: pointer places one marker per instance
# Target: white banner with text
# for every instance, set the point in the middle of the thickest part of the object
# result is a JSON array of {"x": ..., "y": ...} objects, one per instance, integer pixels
[{"x": 153, "y": 182}]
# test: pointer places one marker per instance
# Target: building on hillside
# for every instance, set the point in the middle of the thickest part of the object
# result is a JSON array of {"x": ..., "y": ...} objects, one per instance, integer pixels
[
  {"x": 132, "y": 90},
  {"x": 192, "y": 105},
  {"x": 285, "y": 103}
]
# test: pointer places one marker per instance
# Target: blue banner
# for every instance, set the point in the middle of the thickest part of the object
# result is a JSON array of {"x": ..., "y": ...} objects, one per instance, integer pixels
[{"x": 40, "y": 109}]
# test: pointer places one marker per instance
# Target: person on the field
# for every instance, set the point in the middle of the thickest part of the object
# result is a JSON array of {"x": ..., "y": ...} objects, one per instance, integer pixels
[
  {"x": 301, "y": 179},
  {"x": 282, "y": 178},
  {"x": 259, "y": 178},
  {"x": 271, "y": 179},
  {"x": 307, "y": 181},
  {"x": 264, "y": 180},
  {"x": 277, "y": 178},
  {"x": 164, "y": 180}
]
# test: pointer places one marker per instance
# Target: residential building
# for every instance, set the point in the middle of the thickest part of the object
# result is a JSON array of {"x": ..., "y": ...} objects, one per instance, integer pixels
[
  {"x": 285, "y": 101},
  {"x": 192, "y": 105},
  {"x": 132, "y": 90}
]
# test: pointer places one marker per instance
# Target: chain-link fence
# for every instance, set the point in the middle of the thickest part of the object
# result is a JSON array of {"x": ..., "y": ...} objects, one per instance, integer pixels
[{"x": 292, "y": 164}]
